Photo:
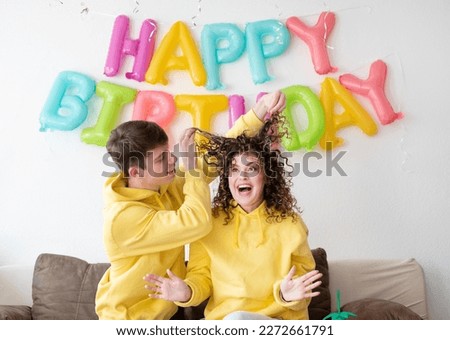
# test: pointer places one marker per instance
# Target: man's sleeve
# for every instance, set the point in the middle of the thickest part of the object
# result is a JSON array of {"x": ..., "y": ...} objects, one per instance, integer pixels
[{"x": 139, "y": 229}]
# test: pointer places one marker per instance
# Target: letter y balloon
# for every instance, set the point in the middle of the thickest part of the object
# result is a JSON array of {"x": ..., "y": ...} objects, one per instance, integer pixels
[{"x": 373, "y": 88}]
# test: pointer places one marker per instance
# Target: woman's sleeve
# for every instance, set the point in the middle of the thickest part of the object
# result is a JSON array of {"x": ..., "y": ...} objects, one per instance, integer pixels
[
  {"x": 198, "y": 276},
  {"x": 303, "y": 260},
  {"x": 249, "y": 123}
]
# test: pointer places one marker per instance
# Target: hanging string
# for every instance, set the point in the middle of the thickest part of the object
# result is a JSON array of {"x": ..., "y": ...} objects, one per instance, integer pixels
[
  {"x": 84, "y": 10},
  {"x": 199, "y": 10},
  {"x": 136, "y": 9}
]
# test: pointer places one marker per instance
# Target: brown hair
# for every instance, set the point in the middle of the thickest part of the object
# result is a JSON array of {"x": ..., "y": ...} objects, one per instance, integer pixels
[
  {"x": 129, "y": 143},
  {"x": 280, "y": 203}
]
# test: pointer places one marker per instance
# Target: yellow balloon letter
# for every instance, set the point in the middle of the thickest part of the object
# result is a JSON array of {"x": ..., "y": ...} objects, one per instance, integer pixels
[
  {"x": 202, "y": 107},
  {"x": 166, "y": 57},
  {"x": 353, "y": 114}
]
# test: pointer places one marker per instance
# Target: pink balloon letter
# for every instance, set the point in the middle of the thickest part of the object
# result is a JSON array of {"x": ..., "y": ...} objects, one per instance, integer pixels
[
  {"x": 120, "y": 45},
  {"x": 315, "y": 37},
  {"x": 236, "y": 108},
  {"x": 155, "y": 106},
  {"x": 373, "y": 88}
]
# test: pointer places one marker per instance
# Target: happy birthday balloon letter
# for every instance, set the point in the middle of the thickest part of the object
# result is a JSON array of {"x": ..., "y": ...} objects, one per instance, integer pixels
[
  {"x": 316, "y": 37},
  {"x": 310, "y": 136},
  {"x": 166, "y": 57},
  {"x": 114, "y": 98},
  {"x": 354, "y": 114},
  {"x": 373, "y": 88},
  {"x": 213, "y": 36},
  {"x": 201, "y": 107},
  {"x": 154, "y": 106},
  {"x": 65, "y": 108},
  {"x": 265, "y": 39},
  {"x": 236, "y": 108},
  {"x": 121, "y": 45}
]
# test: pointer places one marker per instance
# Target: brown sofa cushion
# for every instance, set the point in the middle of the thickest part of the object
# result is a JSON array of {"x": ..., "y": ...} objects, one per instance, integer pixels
[
  {"x": 377, "y": 309},
  {"x": 64, "y": 288},
  {"x": 320, "y": 306},
  {"x": 15, "y": 312}
]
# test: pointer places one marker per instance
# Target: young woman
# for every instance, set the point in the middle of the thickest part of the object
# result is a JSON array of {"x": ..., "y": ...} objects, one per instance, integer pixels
[{"x": 256, "y": 263}]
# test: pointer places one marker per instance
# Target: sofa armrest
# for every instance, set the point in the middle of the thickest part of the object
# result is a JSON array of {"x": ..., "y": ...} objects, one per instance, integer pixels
[{"x": 10, "y": 312}]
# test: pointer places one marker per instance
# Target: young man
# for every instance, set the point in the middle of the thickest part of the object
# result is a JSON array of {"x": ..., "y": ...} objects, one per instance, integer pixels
[{"x": 151, "y": 212}]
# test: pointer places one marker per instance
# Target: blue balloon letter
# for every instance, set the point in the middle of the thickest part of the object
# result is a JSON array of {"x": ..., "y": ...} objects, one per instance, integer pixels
[
  {"x": 259, "y": 50},
  {"x": 212, "y": 36},
  {"x": 66, "y": 108}
]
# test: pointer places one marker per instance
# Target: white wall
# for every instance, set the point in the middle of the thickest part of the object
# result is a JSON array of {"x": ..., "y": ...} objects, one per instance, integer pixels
[{"x": 394, "y": 203}]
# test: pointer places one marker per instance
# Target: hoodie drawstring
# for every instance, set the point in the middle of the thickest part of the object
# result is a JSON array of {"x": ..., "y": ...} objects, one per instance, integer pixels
[
  {"x": 261, "y": 231},
  {"x": 236, "y": 229}
]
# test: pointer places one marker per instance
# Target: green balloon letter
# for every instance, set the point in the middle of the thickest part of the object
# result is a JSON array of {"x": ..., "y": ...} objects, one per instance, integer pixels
[
  {"x": 115, "y": 97},
  {"x": 309, "y": 137}
]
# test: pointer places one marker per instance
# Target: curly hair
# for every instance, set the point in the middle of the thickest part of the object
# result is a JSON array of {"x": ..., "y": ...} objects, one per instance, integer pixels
[{"x": 280, "y": 203}]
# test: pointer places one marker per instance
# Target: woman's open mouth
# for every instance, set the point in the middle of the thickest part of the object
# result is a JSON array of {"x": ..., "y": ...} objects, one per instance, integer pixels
[{"x": 244, "y": 188}]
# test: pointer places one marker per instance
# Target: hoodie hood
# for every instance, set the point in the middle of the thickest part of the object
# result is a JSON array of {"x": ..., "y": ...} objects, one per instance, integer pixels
[{"x": 116, "y": 191}]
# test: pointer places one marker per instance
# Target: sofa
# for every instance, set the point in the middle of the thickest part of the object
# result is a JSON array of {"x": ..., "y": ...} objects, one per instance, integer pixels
[{"x": 61, "y": 287}]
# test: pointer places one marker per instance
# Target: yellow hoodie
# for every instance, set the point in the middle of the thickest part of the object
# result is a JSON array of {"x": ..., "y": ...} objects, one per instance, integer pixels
[
  {"x": 145, "y": 232},
  {"x": 239, "y": 266}
]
